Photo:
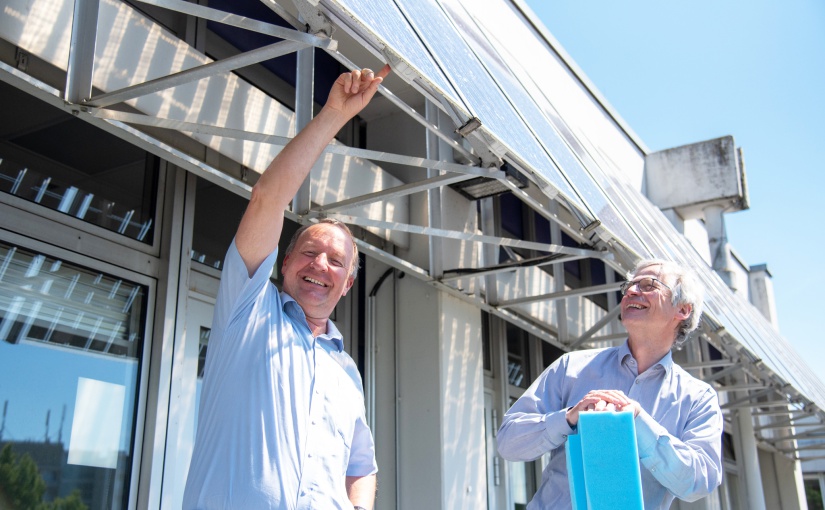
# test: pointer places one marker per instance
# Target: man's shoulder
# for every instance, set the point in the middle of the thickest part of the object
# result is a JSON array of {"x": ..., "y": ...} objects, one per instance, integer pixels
[
  {"x": 588, "y": 356},
  {"x": 688, "y": 381}
]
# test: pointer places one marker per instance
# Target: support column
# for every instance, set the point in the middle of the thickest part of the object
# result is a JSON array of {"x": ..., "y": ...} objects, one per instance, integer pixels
[
  {"x": 718, "y": 242},
  {"x": 304, "y": 101},
  {"x": 82, "y": 51},
  {"x": 747, "y": 459},
  {"x": 441, "y": 442},
  {"x": 434, "y": 195}
]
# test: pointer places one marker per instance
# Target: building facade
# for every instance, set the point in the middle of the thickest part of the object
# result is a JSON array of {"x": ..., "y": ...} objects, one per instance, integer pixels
[{"x": 498, "y": 203}]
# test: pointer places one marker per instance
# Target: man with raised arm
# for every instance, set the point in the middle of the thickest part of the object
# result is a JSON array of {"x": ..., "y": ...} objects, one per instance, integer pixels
[
  {"x": 282, "y": 422},
  {"x": 678, "y": 421}
]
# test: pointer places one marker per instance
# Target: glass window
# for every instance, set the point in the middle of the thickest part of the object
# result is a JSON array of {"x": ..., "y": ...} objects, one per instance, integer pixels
[
  {"x": 512, "y": 220},
  {"x": 63, "y": 163},
  {"x": 518, "y": 357},
  {"x": 215, "y": 227},
  {"x": 70, "y": 344},
  {"x": 549, "y": 353},
  {"x": 486, "y": 344},
  {"x": 813, "y": 493}
]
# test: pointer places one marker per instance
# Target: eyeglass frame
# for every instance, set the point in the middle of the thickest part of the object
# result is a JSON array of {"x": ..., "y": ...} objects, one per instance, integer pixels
[{"x": 626, "y": 286}]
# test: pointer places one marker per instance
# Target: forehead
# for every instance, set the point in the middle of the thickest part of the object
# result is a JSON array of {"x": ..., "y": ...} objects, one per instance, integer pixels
[
  {"x": 657, "y": 271},
  {"x": 654, "y": 270},
  {"x": 327, "y": 236}
]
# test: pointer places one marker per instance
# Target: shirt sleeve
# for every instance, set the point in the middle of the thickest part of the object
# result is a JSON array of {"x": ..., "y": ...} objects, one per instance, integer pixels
[
  {"x": 362, "y": 451},
  {"x": 237, "y": 286},
  {"x": 690, "y": 467},
  {"x": 537, "y": 422}
]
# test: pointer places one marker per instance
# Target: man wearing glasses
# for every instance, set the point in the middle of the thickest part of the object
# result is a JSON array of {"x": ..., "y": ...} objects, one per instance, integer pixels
[{"x": 677, "y": 417}]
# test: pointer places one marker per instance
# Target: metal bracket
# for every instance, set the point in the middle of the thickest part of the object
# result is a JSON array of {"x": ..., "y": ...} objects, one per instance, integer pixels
[
  {"x": 317, "y": 22},
  {"x": 22, "y": 59}
]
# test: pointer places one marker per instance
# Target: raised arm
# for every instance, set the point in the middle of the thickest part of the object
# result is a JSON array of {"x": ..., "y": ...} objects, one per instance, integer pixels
[{"x": 262, "y": 223}]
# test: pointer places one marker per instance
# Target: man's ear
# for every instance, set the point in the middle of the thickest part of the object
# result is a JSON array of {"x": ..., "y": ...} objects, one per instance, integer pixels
[
  {"x": 348, "y": 285},
  {"x": 684, "y": 311}
]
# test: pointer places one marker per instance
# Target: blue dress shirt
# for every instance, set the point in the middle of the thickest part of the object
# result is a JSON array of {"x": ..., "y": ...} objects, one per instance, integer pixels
[
  {"x": 678, "y": 432},
  {"x": 282, "y": 419}
]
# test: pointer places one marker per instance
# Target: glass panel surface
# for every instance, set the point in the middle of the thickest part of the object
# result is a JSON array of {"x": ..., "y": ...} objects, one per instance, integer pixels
[
  {"x": 70, "y": 343},
  {"x": 480, "y": 92},
  {"x": 517, "y": 74},
  {"x": 65, "y": 164},
  {"x": 385, "y": 21},
  {"x": 530, "y": 103}
]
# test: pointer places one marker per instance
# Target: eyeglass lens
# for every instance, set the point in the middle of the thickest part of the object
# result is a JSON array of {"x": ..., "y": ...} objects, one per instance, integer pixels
[{"x": 645, "y": 285}]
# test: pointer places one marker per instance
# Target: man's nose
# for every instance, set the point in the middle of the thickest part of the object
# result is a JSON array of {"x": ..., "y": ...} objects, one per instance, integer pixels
[
  {"x": 321, "y": 262},
  {"x": 634, "y": 288}
]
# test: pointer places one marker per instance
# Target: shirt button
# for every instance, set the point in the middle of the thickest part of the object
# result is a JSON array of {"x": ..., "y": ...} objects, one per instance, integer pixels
[
  {"x": 637, "y": 381},
  {"x": 309, "y": 455}
]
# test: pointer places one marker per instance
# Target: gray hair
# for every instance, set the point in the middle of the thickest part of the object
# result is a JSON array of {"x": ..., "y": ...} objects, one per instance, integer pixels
[
  {"x": 356, "y": 262},
  {"x": 685, "y": 290}
]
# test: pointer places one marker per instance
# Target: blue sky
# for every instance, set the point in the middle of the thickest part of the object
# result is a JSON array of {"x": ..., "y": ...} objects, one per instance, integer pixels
[{"x": 682, "y": 72}]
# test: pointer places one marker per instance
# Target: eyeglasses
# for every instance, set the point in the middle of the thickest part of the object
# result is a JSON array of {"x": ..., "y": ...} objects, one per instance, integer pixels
[{"x": 645, "y": 285}]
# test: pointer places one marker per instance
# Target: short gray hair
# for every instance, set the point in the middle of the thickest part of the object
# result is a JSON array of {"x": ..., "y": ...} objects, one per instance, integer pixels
[
  {"x": 685, "y": 290},
  {"x": 356, "y": 261}
]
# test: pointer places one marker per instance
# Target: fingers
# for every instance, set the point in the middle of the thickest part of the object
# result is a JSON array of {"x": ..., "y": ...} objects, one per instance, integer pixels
[
  {"x": 384, "y": 72},
  {"x": 360, "y": 80},
  {"x": 607, "y": 400}
]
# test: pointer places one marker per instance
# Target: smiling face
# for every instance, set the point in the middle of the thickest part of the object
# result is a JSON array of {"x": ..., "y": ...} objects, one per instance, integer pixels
[
  {"x": 652, "y": 314},
  {"x": 316, "y": 271}
]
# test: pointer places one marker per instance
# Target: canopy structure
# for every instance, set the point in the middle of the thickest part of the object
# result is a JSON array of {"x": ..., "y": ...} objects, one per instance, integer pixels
[{"x": 480, "y": 64}]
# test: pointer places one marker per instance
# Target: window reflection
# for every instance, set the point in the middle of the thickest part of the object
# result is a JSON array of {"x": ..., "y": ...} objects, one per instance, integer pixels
[
  {"x": 70, "y": 342},
  {"x": 518, "y": 357},
  {"x": 45, "y": 160},
  {"x": 214, "y": 227}
]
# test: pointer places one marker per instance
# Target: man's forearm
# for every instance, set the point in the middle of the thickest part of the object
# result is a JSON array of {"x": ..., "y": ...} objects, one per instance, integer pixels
[
  {"x": 262, "y": 223},
  {"x": 361, "y": 490},
  {"x": 526, "y": 436}
]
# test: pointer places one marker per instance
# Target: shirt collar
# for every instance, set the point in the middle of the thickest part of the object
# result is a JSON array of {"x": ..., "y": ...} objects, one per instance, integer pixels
[
  {"x": 292, "y": 308},
  {"x": 666, "y": 362}
]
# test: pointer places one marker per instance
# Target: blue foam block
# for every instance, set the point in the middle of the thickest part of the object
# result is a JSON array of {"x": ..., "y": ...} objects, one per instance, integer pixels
[
  {"x": 609, "y": 462},
  {"x": 575, "y": 472}
]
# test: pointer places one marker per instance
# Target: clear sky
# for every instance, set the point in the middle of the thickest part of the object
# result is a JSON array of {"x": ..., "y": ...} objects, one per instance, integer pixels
[{"x": 683, "y": 72}]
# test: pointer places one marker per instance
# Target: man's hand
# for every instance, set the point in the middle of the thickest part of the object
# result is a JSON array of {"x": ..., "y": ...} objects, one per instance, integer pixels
[
  {"x": 602, "y": 400},
  {"x": 352, "y": 91}
]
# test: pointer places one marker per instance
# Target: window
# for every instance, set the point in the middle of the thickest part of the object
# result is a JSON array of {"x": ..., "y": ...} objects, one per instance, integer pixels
[
  {"x": 65, "y": 164},
  {"x": 813, "y": 493},
  {"x": 549, "y": 353},
  {"x": 486, "y": 343},
  {"x": 214, "y": 227},
  {"x": 518, "y": 357},
  {"x": 70, "y": 345}
]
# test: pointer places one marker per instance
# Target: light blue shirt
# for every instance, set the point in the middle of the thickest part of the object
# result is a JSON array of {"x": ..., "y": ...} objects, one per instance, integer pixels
[
  {"x": 282, "y": 419},
  {"x": 678, "y": 433}
]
